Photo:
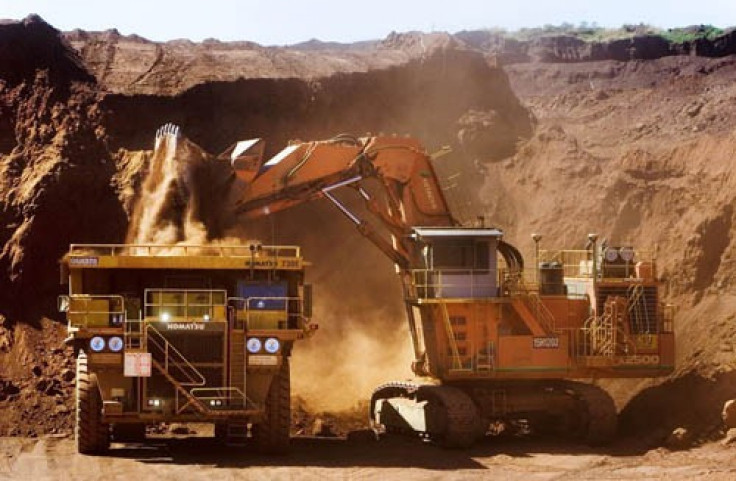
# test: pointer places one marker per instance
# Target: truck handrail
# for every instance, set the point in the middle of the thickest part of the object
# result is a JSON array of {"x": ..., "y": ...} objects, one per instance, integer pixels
[
  {"x": 245, "y": 251},
  {"x": 223, "y": 394},
  {"x": 193, "y": 376}
]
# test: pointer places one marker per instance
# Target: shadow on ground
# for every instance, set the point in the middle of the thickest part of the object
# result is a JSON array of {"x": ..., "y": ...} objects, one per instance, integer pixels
[{"x": 336, "y": 452}]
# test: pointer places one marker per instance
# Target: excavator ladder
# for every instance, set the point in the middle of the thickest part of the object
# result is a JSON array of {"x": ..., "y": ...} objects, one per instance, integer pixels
[
  {"x": 638, "y": 311},
  {"x": 457, "y": 363}
]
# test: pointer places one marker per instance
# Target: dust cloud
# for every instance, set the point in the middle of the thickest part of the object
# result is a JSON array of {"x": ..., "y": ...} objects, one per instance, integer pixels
[
  {"x": 363, "y": 338},
  {"x": 348, "y": 358},
  {"x": 165, "y": 211}
]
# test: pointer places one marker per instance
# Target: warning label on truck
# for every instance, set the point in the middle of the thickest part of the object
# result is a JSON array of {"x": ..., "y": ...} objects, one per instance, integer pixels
[
  {"x": 84, "y": 261},
  {"x": 263, "y": 360},
  {"x": 546, "y": 343},
  {"x": 137, "y": 364}
]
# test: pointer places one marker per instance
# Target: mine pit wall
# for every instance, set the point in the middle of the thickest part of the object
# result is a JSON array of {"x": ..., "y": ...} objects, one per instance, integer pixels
[
  {"x": 424, "y": 98},
  {"x": 74, "y": 174},
  {"x": 55, "y": 168}
]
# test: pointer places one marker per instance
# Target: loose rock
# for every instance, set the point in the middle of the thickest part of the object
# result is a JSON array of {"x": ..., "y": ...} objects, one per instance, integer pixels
[
  {"x": 730, "y": 437},
  {"x": 67, "y": 375}
]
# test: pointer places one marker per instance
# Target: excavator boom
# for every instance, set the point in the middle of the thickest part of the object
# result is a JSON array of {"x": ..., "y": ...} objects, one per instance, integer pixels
[{"x": 305, "y": 171}]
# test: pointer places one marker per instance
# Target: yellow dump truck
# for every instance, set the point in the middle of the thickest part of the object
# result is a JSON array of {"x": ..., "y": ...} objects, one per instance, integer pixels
[{"x": 184, "y": 334}]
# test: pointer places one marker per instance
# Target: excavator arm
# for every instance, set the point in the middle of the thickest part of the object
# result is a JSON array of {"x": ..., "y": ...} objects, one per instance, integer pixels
[{"x": 303, "y": 172}]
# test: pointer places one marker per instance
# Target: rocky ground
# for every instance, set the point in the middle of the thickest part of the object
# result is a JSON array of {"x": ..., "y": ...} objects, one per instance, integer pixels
[
  {"x": 325, "y": 458},
  {"x": 557, "y": 141}
]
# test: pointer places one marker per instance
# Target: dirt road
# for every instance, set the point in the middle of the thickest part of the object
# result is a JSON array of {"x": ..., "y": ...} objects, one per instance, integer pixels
[{"x": 319, "y": 459}]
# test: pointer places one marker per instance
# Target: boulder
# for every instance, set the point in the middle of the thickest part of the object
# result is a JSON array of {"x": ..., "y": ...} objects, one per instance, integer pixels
[
  {"x": 680, "y": 438},
  {"x": 729, "y": 413}
]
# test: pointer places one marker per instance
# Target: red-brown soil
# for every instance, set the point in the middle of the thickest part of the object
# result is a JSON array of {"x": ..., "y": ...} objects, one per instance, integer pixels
[{"x": 638, "y": 151}]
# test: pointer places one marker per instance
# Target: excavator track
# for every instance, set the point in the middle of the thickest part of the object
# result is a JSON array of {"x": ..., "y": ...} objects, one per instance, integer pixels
[
  {"x": 600, "y": 418},
  {"x": 452, "y": 419}
]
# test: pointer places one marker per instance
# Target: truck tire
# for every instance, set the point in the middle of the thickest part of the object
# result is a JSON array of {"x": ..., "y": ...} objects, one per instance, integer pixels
[
  {"x": 93, "y": 436},
  {"x": 271, "y": 435}
]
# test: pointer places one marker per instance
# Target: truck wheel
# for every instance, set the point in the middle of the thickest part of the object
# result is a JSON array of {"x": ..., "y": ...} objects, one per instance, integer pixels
[
  {"x": 272, "y": 434},
  {"x": 93, "y": 436},
  {"x": 129, "y": 432}
]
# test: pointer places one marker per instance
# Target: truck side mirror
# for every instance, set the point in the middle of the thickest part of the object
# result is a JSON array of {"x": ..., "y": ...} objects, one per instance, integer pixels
[
  {"x": 307, "y": 300},
  {"x": 62, "y": 303}
]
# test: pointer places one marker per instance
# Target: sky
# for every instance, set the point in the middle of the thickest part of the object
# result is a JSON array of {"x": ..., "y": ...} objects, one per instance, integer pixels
[{"x": 282, "y": 22}]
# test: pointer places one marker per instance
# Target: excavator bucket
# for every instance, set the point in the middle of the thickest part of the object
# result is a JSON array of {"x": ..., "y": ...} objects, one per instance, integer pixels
[{"x": 245, "y": 157}]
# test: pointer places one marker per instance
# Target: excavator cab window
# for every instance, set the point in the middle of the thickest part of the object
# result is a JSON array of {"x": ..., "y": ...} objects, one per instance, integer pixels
[{"x": 460, "y": 254}]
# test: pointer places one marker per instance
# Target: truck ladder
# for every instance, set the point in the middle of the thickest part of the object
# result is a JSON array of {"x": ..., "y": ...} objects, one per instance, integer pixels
[
  {"x": 133, "y": 335},
  {"x": 237, "y": 359},
  {"x": 180, "y": 388}
]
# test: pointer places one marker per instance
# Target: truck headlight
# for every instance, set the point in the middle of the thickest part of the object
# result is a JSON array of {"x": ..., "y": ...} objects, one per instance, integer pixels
[
  {"x": 253, "y": 345},
  {"x": 271, "y": 345},
  {"x": 115, "y": 344},
  {"x": 97, "y": 344}
]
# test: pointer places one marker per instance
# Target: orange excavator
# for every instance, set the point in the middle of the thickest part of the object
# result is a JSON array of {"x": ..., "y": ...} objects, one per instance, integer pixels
[{"x": 505, "y": 344}]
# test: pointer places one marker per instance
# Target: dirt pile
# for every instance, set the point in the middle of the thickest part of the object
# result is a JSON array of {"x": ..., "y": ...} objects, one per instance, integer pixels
[
  {"x": 308, "y": 421},
  {"x": 36, "y": 381}
]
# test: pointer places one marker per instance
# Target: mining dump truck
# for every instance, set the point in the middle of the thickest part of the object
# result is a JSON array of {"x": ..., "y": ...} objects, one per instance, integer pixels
[
  {"x": 184, "y": 334},
  {"x": 505, "y": 344}
]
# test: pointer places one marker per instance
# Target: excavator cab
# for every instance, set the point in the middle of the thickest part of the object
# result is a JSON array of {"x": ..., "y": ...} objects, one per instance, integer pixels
[{"x": 457, "y": 262}]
